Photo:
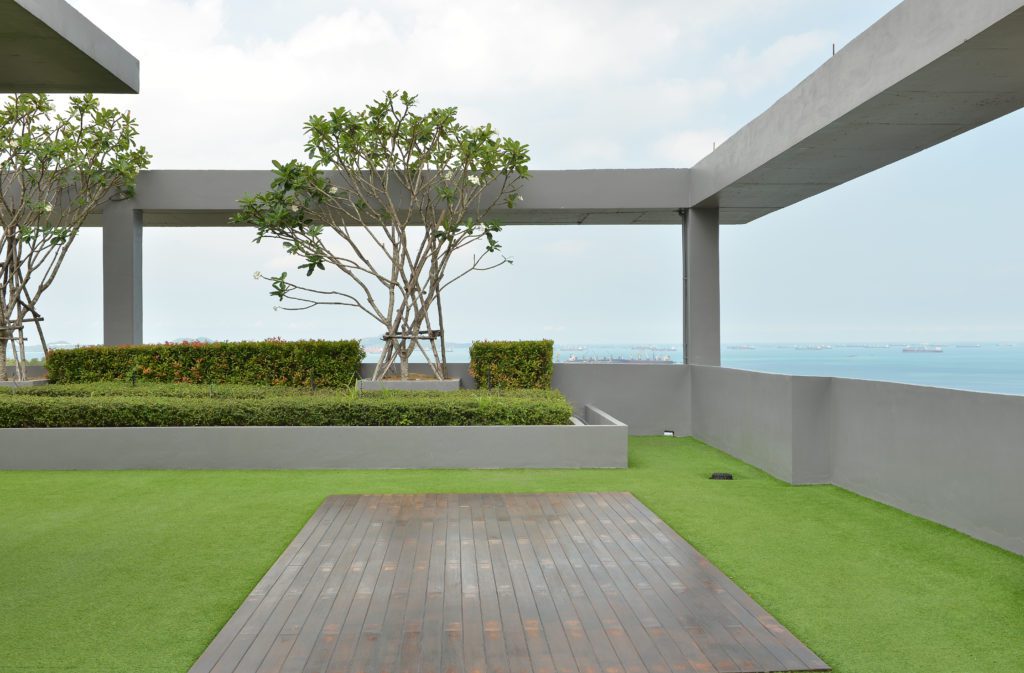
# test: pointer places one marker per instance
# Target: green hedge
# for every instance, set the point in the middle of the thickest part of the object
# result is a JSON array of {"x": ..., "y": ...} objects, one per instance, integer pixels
[
  {"x": 512, "y": 364},
  {"x": 273, "y": 362},
  {"x": 176, "y": 405}
]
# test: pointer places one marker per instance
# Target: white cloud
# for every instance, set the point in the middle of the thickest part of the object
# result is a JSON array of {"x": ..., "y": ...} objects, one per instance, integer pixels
[
  {"x": 751, "y": 71},
  {"x": 585, "y": 83},
  {"x": 688, "y": 147}
]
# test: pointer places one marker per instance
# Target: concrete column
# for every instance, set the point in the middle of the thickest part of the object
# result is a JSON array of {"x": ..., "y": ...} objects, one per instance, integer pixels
[
  {"x": 122, "y": 274},
  {"x": 700, "y": 292}
]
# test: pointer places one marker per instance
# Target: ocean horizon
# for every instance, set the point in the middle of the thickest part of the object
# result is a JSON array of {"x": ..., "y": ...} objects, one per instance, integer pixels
[{"x": 994, "y": 367}]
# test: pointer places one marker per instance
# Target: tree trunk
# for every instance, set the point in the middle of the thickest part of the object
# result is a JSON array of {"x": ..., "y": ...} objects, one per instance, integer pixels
[{"x": 3, "y": 358}]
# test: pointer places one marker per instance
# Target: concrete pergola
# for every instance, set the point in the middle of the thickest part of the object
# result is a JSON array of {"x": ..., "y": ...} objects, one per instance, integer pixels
[
  {"x": 925, "y": 72},
  {"x": 48, "y": 46}
]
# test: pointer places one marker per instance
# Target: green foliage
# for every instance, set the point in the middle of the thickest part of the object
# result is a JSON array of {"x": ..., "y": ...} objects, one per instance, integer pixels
[
  {"x": 512, "y": 364},
  {"x": 385, "y": 199},
  {"x": 86, "y": 148},
  {"x": 273, "y": 362},
  {"x": 175, "y": 405},
  {"x": 56, "y": 168},
  {"x": 387, "y": 138}
]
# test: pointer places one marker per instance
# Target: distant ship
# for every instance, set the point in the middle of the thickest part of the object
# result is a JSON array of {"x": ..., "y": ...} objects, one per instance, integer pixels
[
  {"x": 662, "y": 359},
  {"x": 922, "y": 349}
]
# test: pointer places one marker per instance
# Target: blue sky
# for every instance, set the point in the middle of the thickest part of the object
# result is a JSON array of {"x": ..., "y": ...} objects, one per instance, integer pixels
[{"x": 925, "y": 250}]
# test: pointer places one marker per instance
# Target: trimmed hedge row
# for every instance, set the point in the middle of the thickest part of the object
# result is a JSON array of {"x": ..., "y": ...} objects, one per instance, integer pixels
[
  {"x": 512, "y": 364},
  {"x": 48, "y": 410},
  {"x": 273, "y": 362},
  {"x": 147, "y": 389}
]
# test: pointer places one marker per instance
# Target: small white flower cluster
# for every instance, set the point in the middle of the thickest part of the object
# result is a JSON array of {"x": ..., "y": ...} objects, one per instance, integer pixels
[
  {"x": 333, "y": 190},
  {"x": 295, "y": 207},
  {"x": 474, "y": 179},
  {"x": 447, "y": 175},
  {"x": 48, "y": 207}
]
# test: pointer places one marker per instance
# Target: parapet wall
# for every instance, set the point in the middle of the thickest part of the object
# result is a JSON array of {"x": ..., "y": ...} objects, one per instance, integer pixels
[{"x": 951, "y": 456}]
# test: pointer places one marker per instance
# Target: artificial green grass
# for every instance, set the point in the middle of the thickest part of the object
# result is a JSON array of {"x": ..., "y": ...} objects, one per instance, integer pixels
[{"x": 108, "y": 572}]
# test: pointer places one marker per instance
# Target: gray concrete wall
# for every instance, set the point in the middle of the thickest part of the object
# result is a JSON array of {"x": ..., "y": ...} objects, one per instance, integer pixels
[
  {"x": 648, "y": 398},
  {"x": 33, "y": 371},
  {"x": 951, "y": 456},
  {"x": 746, "y": 414},
  {"x": 270, "y": 448},
  {"x": 947, "y": 455}
]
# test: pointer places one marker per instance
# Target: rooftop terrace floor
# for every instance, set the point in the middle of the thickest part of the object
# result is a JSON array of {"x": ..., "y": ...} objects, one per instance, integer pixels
[
  {"x": 137, "y": 572},
  {"x": 568, "y": 582}
]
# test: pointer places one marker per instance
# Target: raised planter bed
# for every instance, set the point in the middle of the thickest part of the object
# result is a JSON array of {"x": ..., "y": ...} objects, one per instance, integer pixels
[
  {"x": 31, "y": 383},
  {"x": 443, "y": 385},
  {"x": 323, "y": 447}
]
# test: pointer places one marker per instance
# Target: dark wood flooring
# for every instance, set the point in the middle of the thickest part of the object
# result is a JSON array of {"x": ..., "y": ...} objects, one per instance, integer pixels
[{"x": 542, "y": 583}]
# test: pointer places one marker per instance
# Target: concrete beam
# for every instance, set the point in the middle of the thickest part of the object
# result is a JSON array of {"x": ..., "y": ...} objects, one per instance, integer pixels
[
  {"x": 925, "y": 72},
  {"x": 122, "y": 274},
  {"x": 187, "y": 198},
  {"x": 48, "y": 46},
  {"x": 701, "y": 305}
]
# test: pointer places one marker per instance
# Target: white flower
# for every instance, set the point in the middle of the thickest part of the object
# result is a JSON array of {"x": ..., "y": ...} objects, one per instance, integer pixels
[
  {"x": 333, "y": 190},
  {"x": 48, "y": 207},
  {"x": 295, "y": 208},
  {"x": 474, "y": 179},
  {"x": 447, "y": 175},
  {"x": 519, "y": 197},
  {"x": 257, "y": 275}
]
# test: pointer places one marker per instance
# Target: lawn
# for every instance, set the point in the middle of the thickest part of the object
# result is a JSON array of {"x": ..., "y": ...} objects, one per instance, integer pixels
[{"x": 109, "y": 572}]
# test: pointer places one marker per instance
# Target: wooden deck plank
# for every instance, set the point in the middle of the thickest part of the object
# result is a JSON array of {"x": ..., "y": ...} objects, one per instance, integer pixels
[
  {"x": 226, "y": 636},
  {"x": 677, "y": 546},
  {"x": 498, "y": 583}
]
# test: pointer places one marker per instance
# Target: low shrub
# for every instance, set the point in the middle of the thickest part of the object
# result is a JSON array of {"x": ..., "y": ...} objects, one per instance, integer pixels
[
  {"x": 154, "y": 405},
  {"x": 512, "y": 364},
  {"x": 273, "y": 362}
]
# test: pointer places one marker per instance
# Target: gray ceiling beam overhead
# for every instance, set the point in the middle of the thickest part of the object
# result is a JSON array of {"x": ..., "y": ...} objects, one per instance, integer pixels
[
  {"x": 927, "y": 71},
  {"x": 47, "y": 46},
  {"x": 186, "y": 198}
]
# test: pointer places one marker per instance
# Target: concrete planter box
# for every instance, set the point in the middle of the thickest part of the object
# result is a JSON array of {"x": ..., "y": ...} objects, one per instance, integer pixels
[
  {"x": 274, "y": 448},
  {"x": 424, "y": 384},
  {"x": 24, "y": 384}
]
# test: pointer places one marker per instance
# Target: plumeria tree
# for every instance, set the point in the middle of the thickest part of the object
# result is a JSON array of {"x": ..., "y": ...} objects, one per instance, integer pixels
[
  {"x": 398, "y": 206},
  {"x": 55, "y": 169}
]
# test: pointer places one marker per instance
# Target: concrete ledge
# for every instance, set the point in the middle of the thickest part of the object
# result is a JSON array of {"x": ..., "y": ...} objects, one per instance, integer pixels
[
  {"x": 30, "y": 383},
  {"x": 313, "y": 448},
  {"x": 432, "y": 385}
]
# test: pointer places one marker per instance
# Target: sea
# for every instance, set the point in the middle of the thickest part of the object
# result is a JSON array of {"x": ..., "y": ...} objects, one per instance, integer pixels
[{"x": 984, "y": 367}]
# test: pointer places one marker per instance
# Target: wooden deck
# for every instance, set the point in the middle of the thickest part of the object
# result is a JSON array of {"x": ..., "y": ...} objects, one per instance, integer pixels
[{"x": 543, "y": 583}]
